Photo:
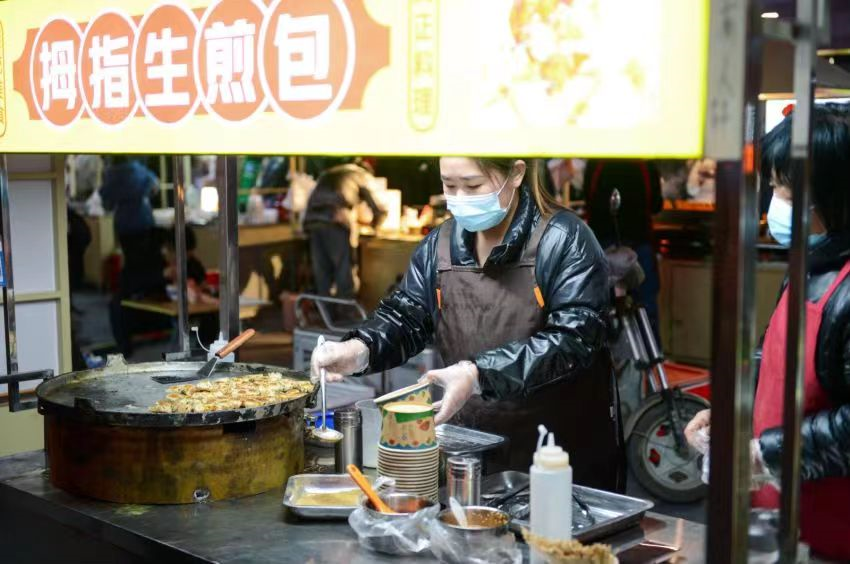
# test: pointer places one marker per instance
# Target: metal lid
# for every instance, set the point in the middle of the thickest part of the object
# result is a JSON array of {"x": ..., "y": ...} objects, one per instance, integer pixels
[
  {"x": 456, "y": 440},
  {"x": 349, "y": 417},
  {"x": 463, "y": 465}
]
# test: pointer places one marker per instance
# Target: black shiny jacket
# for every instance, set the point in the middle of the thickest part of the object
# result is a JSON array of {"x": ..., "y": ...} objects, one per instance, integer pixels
[
  {"x": 571, "y": 272},
  {"x": 825, "y": 434}
]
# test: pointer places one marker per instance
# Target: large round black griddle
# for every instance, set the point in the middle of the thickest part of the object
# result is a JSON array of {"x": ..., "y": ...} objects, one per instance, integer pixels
[{"x": 121, "y": 394}]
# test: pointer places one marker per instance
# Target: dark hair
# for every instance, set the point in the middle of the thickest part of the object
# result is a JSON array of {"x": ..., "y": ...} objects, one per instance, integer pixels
[
  {"x": 545, "y": 202},
  {"x": 830, "y": 161},
  {"x": 191, "y": 240}
]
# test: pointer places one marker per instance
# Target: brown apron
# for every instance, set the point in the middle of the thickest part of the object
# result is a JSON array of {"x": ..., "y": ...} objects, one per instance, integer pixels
[{"x": 482, "y": 309}]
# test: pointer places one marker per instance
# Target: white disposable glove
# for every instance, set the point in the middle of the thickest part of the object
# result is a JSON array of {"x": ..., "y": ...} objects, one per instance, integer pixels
[
  {"x": 459, "y": 382},
  {"x": 339, "y": 359},
  {"x": 698, "y": 430},
  {"x": 698, "y": 433}
]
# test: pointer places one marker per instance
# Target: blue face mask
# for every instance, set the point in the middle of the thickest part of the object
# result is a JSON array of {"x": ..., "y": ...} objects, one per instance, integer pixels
[
  {"x": 779, "y": 223},
  {"x": 480, "y": 212},
  {"x": 816, "y": 239}
]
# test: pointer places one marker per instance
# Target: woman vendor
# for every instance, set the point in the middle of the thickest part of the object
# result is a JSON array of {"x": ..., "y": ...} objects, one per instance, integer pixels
[{"x": 513, "y": 290}]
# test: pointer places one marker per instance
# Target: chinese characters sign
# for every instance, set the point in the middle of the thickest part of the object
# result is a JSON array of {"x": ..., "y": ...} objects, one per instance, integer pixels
[
  {"x": 519, "y": 77},
  {"x": 231, "y": 60}
]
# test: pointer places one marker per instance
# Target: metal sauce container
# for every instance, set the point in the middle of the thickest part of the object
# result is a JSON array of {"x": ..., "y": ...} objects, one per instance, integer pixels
[
  {"x": 463, "y": 479},
  {"x": 349, "y": 450}
]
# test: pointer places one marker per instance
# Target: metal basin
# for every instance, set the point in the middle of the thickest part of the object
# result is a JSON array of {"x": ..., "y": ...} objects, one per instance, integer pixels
[{"x": 404, "y": 505}]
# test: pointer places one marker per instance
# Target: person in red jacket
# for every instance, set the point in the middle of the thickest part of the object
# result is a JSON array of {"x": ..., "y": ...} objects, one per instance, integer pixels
[{"x": 825, "y": 494}]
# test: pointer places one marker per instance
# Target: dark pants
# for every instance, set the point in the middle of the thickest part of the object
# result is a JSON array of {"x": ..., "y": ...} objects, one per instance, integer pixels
[
  {"x": 330, "y": 252},
  {"x": 141, "y": 276}
]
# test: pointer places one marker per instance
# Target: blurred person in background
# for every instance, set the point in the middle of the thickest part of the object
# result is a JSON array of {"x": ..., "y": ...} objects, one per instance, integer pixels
[
  {"x": 197, "y": 290},
  {"x": 196, "y": 273},
  {"x": 330, "y": 221},
  {"x": 126, "y": 191},
  {"x": 701, "y": 184},
  {"x": 88, "y": 174},
  {"x": 639, "y": 185}
]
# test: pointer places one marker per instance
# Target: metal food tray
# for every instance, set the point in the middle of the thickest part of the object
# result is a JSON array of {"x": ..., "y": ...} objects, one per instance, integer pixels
[
  {"x": 460, "y": 440},
  {"x": 611, "y": 513},
  {"x": 318, "y": 483}
]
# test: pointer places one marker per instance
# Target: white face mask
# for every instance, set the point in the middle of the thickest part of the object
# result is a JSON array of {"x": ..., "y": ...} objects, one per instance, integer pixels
[{"x": 779, "y": 223}]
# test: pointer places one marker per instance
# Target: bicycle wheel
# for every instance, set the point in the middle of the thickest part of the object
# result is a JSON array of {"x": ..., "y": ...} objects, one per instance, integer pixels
[{"x": 653, "y": 457}]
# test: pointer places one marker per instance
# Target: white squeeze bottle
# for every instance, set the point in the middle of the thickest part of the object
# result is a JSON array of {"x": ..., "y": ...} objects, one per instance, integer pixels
[{"x": 551, "y": 490}]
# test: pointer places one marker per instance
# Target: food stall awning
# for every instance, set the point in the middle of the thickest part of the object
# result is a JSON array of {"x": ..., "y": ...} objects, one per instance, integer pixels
[{"x": 383, "y": 77}]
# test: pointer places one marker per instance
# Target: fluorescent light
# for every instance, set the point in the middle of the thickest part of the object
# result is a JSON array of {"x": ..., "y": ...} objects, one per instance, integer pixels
[
  {"x": 209, "y": 199},
  {"x": 770, "y": 15}
]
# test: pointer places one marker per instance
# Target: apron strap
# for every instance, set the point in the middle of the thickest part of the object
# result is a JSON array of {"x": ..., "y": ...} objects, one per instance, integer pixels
[
  {"x": 529, "y": 254},
  {"x": 444, "y": 246}
]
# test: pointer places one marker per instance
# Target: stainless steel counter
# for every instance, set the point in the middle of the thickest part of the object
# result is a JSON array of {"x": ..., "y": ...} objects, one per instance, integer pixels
[{"x": 38, "y": 520}]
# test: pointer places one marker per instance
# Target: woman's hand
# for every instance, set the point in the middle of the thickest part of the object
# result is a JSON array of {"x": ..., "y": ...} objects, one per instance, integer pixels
[
  {"x": 760, "y": 475},
  {"x": 338, "y": 359},
  {"x": 698, "y": 430},
  {"x": 459, "y": 382}
]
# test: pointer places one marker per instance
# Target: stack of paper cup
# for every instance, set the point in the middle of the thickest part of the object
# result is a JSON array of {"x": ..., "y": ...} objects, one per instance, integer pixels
[{"x": 408, "y": 450}]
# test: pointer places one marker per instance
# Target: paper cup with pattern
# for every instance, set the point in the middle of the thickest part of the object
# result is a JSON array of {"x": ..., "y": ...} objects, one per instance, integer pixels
[
  {"x": 417, "y": 393},
  {"x": 408, "y": 426}
]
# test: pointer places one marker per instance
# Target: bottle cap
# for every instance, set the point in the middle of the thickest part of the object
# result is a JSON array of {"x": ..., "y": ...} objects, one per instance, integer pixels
[{"x": 551, "y": 456}]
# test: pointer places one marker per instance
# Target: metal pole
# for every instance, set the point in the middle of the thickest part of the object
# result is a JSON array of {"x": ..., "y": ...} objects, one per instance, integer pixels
[
  {"x": 163, "y": 196},
  {"x": 804, "y": 65},
  {"x": 733, "y": 112},
  {"x": 184, "y": 339},
  {"x": 227, "y": 180},
  {"x": 10, "y": 326}
]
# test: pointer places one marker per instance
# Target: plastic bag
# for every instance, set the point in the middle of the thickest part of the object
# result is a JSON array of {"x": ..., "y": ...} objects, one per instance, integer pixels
[
  {"x": 453, "y": 547},
  {"x": 393, "y": 534}
]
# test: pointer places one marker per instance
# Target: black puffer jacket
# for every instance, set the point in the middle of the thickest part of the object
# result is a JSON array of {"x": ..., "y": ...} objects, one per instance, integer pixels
[
  {"x": 826, "y": 434},
  {"x": 339, "y": 190},
  {"x": 571, "y": 272}
]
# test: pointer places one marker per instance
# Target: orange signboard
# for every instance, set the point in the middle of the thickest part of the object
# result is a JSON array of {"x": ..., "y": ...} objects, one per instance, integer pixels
[{"x": 531, "y": 77}]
